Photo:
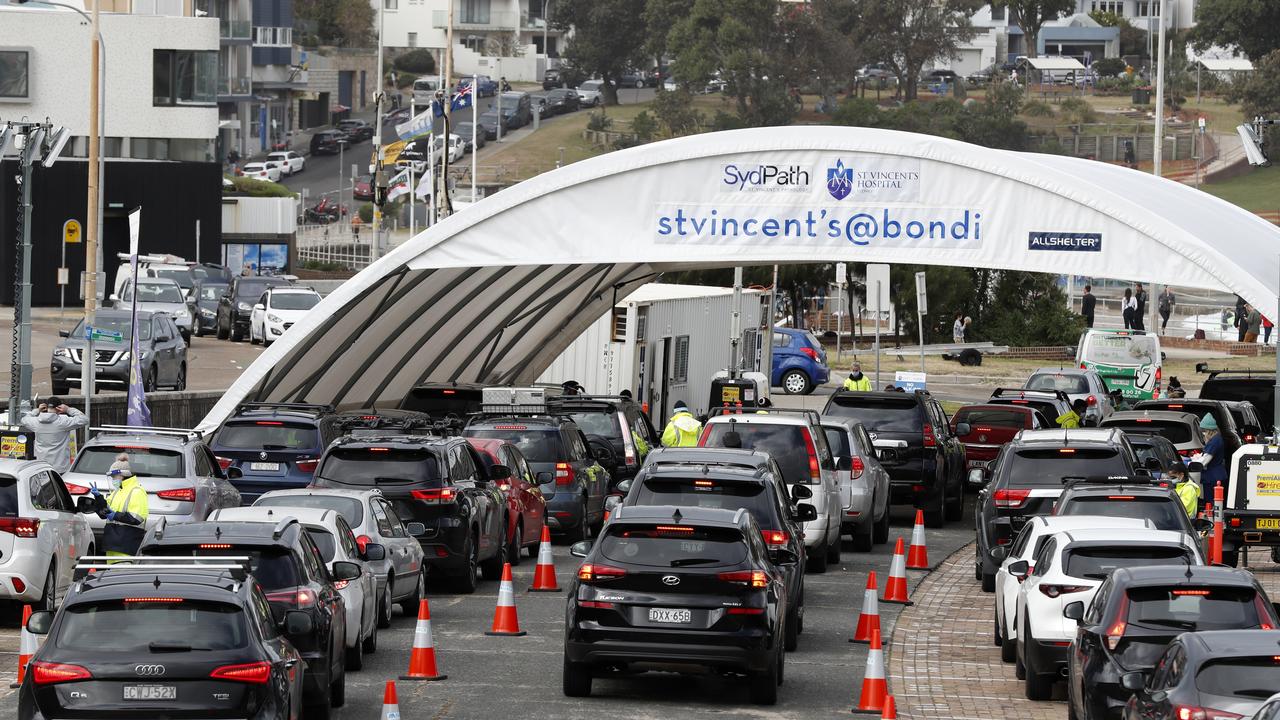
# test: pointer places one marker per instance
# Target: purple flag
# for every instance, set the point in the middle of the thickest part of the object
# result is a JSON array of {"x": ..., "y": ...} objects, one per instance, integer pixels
[{"x": 138, "y": 412}]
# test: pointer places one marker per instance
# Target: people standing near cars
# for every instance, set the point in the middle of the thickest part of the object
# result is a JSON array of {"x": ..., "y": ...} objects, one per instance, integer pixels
[
  {"x": 125, "y": 510},
  {"x": 1088, "y": 305},
  {"x": 1127, "y": 308},
  {"x": 857, "y": 381},
  {"x": 1175, "y": 388},
  {"x": 957, "y": 329},
  {"x": 1072, "y": 418},
  {"x": 1239, "y": 322},
  {"x": 1213, "y": 457},
  {"x": 1140, "y": 311},
  {"x": 683, "y": 428},
  {"x": 1188, "y": 490},
  {"x": 53, "y": 422},
  {"x": 1252, "y": 323},
  {"x": 1165, "y": 307}
]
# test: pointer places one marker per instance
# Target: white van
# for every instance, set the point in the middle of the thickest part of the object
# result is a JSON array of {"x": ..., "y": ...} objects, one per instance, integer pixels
[
  {"x": 424, "y": 90},
  {"x": 1128, "y": 360},
  {"x": 1251, "y": 503}
]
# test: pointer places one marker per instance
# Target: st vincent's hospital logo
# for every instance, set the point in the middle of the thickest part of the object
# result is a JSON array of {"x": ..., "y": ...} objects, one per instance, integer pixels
[{"x": 839, "y": 180}]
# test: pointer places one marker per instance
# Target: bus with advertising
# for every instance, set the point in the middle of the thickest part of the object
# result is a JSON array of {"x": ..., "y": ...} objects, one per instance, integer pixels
[{"x": 1128, "y": 360}]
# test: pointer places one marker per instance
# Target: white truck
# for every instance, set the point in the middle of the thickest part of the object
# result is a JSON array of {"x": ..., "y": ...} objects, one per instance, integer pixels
[{"x": 1251, "y": 503}]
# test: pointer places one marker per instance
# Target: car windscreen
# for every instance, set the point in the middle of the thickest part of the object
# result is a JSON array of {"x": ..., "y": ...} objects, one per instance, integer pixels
[
  {"x": 1176, "y": 432},
  {"x": 182, "y": 277},
  {"x": 294, "y": 301},
  {"x": 991, "y": 417},
  {"x": 145, "y": 462},
  {"x": 1144, "y": 451},
  {"x": 351, "y": 509},
  {"x": 253, "y": 290},
  {"x": 1121, "y": 350},
  {"x": 212, "y": 292},
  {"x": 119, "y": 324},
  {"x": 1095, "y": 563},
  {"x": 1070, "y": 384},
  {"x": 1256, "y": 678},
  {"x": 9, "y": 496},
  {"x": 708, "y": 493},
  {"x": 438, "y": 402},
  {"x": 538, "y": 445},
  {"x": 274, "y": 568},
  {"x": 381, "y": 465},
  {"x": 1047, "y": 467},
  {"x": 325, "y": 542},
  {"x": 784, "y": 443},
  {"x": 602, "y": 424},
  {"x": 1165, "y": 512},
  {"x": 155, "y": 293},
  {"x": 1190, "y": 609},
  {"x": 672, "y": 545},
  {"x": 879, "y": 414},
  {"x": 144, "y": 626},
  {"x": 267, "y": 435}
]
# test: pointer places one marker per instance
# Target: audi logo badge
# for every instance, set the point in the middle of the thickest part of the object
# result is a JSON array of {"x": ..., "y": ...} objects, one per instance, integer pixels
[
  {"x": 149, "y": 670},
  {"x": 670, "y": 580}
]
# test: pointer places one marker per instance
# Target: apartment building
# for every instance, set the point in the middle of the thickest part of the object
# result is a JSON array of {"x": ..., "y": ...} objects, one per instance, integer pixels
[{"x": 510, "y": 38}]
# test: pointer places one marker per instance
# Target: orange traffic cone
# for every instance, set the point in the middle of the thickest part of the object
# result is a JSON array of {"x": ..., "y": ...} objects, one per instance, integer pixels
[
  {"x": 544, "y": 573},
  {"x": 895, "y": 589},
  {"x": 918, "y": 554},
  {"x": 26, "y": 647},
  {"x": 390, "y": 707},
  {"x": 505, "y": 621},
  {"x": 422, "y": 659},
  {"x": 890, "y": 709},
  {"x": 874, "y": 687},
  {"x": 869, "y": 620}
]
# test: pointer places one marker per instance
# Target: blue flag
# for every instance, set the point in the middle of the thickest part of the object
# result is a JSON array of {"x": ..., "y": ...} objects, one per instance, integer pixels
[
  {"x": 460, "y": 100},
  {"x": 138, "y": 413}
]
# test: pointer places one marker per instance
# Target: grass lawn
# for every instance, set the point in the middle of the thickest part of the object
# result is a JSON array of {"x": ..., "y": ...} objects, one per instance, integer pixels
[{"x": 1258, "y": 190}]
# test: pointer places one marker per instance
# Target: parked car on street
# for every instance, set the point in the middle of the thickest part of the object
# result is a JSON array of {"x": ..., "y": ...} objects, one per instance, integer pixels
[
  {"x": 485, "y": 85},
  {"x": 464, "y": 131},
  {"x": 235, "y": 307},
  {"x": 799, "y": 361},
  {"x": 41, "y": 535},
  {"x": 563, "y": 100},
  {"x": 357, "y": 130},
  {"x": 517, "y": 107},
  {"x": 164, "y": 296},
  {"x": 489, "y": 121},
  {"x": 204, "y": 306},
  {"x": 290, "y": 162},
  {"x": 362, "y": 188},
  {"x": 328, "y": 142},
  {"x": 277, "y": 310},
  {"x": 162, "y": 353},
  {"x": 268, "y": 171},
  {"x": 590, "y": 92}
]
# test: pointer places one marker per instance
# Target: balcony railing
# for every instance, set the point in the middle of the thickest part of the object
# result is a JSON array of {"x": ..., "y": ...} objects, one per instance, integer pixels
[
  {"x": 235, "y": 29},
  {"x": 234, "y": 86},
  {"x": 499, "y": 20}
]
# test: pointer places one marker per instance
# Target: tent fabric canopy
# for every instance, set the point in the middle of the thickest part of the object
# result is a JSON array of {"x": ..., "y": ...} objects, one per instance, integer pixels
[{"x": 494, "y": 293}]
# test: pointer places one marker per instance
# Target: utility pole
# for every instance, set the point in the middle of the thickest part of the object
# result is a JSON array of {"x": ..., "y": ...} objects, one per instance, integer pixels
[
  {"x": 379, "y": 176},
  {"x": 440, "y": 189},
  {"x": 1158, "y": 150}
]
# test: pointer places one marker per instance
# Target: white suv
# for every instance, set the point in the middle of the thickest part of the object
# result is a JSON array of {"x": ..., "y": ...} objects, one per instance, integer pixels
[
  {"x": 1070, "y": 567},
  {"x": 277, "y": 310},
  {"x": 1025, "y": 547},
  {"x": 796, "y": 441},
  {"x": 290, "y": 162},
  {"x": 41, "y": 534}
]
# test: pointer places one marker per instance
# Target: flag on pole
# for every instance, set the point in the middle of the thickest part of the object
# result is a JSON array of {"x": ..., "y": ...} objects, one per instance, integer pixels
[
  {"x": 398, "y": 186},
  {"x": 458, "y": 101},
  {"x": 424, "y": 187},
  {"x": 138, "y": 414},
  {"x": 417, "y": 126}
]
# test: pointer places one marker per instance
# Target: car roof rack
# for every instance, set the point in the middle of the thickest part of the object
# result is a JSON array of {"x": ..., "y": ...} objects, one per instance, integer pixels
[
  {"x": 1203, "y": 367},
  {"x": 309, "y": 407},
  {"x": 1021, "y": 393},
  {"x": 237, "y": 565},
  {"x": 136, "y": 430},
  {"x": 283, "y": 525}
]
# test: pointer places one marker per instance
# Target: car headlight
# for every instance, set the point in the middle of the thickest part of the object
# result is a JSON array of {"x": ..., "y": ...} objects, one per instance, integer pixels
[
  {"x": 124, "y": 357},
  {"x": 61, "y": 353},
  {"x": 273, "y": 318},
  {"x": 207, "y": 313},
  {"x": 246, "y": 307}
]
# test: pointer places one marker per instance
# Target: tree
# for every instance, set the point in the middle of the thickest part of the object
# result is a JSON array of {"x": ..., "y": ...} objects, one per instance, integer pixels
[
  {"x": 1253, "y": 26},
  {"x": 345, "y": 23},
  {"x": 1133, "y": 41},
  {"x": 1259, "y": 93},
  {"x": 823, "y": 44},
  {"x": 1031, "y": 15},
  {"x": 910, "y": 33},
  {"x": 608, "y": 38}
]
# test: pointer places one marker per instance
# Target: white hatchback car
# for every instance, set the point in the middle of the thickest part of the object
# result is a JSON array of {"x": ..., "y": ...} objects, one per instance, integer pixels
[
  {"x": 290, "y": 162},
  {"x": 277, "y": 310},
  {"x": 269, "y": 171},
  {"x": 1070, "y": 567},
  {"x": 41, "y": 534},
  {"x": 335, "y": 541},
  {"x": 1025, "y": 546}
]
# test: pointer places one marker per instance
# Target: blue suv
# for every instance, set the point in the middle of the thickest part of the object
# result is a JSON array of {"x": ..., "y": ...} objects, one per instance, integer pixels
[
  {"x": 273, "y": 446},
  {"x": 799, "y": 362}
]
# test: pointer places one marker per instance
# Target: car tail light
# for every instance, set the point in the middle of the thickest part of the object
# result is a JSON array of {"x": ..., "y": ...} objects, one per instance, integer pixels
[
  {"x": 595, "y": 605},
  {"x": 19, "y": 586},
  {"x": 749, "y": 578},
  {"x": 436, "y": 496},
  {"x": 628, "y": 443},
  {"x": 746, "y": 611},
  {"x": 1186, "y": 453},
  {"x": 1264, "y": 613},
  {"x": 564, "y": 474},
  {"x": 20, "y": 526},
  {"x": 268, "y": 422},
  {"x": 1115, "y": 631},
  {"x": 856, "y": 466},
  {"x": 1091, "y": 400},
  {"x": 1011, "y": 498},
  {"x": 308, "y": 465},
  {"x": 929, "y": 440},
  {"x": 341, "y": 584},
  {"x": 1083, "y": 366},
  {"x": 178, "y": 494},
  {"x": 225, "y": 462},
  {"x": 256, "y": 673},
  {"x": 75, "y": 489},
  {"x": 596, "y": 573},
  {"x": 215, "y": 546},
  {"x": 810, "y": 352},
  {"x": 169, "y": 600},
  {"x": 1235, "y": 522},
  {"x": 299, "y": 598},
  {"x": 1120, "y": 497},
  {"x": 49, "y": 673},
  {"x": 1054, "y": 591},
  {"x": 776, "y": 537},
  {"x": 1191, "y": 712},
  {"x": 815, "y": 472}
]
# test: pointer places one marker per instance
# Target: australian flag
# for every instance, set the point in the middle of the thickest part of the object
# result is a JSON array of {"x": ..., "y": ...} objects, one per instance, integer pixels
[{"x": 460, "y": 100}]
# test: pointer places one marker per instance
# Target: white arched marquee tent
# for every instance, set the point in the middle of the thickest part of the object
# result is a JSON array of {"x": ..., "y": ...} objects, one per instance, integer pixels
[{"x": 494, "y": 293}]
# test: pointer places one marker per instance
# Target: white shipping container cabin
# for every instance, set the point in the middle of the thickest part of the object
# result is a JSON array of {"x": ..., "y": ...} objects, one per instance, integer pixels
[{"x": 664, "y": 343}]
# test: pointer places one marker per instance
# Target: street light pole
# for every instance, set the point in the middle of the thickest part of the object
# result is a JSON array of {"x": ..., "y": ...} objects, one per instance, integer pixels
[
  {"x": 379, "y": 177},
  {"x": 1158, "y": 150}
]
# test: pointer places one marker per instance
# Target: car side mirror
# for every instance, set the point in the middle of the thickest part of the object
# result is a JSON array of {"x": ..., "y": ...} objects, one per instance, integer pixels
[
  {"x": 1142, "y": 472},
  {"x": 580, "y": 549},
  {"x": 544, "y": 478},
  {"x": 86, "y": 504},
  {"x": 64, "y": 333},
  {"x": 783, "y": 556},
  {"x": 1074, "y": 611},
  {"x": 611, "y": 502},
  {"x": 40, "y": 622},
  {"x": 977, "y": 477},
  {"x": 259, "y": 306},
  {"x": 163, "y": 338},
  {"x": 1202, "y": 367},
  {"x": 1195, "y": 467},
  {"x": 806, "y": 513},
  {"x": 624, "y": 487},
  {"x": 344, "y": 570},
  {"x": 800, "y": 492},
  {"x": 298, "y": 623},
  {"x": 1019, "y": 569},
  {"x": 963, "y": 428},
  {"x": 1152, "y": 463},
  {"x": 113, "y": 297},
  {"x": 999, "y": 553},
  {"x": 415, "y": 528},
  {"x": 1133, "y": 681},
  {"x": 374, "y": 552},
  {"x": 1202, "y": 524},
  {"x": 499, "y": 472},
  {"x": 234, "y": 473}
]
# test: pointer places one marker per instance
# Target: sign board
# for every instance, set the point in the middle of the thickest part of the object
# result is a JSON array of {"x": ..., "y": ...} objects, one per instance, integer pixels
[
  {"x": 63, "y": 276},
  {"x": 878, "y": 277},
  {"x": 1201, "y": 121},
  {"x": 100, "y": 334},
  {"x": 909, "y": 380},
  {"x": 922, "y": 300},
  {"x": 13, "y": 446},
  {"x": 71, "y": 232},
  {"x": 101, "y": 286},
  {"x": 842, "y": 273}
]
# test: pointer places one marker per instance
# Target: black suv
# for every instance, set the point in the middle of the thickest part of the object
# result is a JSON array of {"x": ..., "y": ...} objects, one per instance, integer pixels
[
  {"x": 925, "y": 459},
  {"x": 272, "y": 446},
  {"x": 555, "y": 447},
  {"x": 1219, "y": 409},
  {"x": 356, "y": 130},
  {"x": 438, "y": 481},
  {"x": 1255, "y": 386},
  {"x": 685, "y": 585},
  {"x": 731, "y": 480},
  {"x": 1141, "y": 497},
  {"x": 1029, "y": 474},
  {"x": 134, "y": 641},
  {"x": 328, "y": 142},
  {"x": 236, "y": 304},
  {"x": 1138, "y": 611},
  {"x": 292, "y": 573},
  {"x": 618, "y": 432}
]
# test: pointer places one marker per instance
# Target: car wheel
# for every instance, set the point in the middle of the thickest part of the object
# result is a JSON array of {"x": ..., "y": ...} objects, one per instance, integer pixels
[
  {"x": 996, "y": 638},
  {"x": 796, "y": 382},
  {"x": 355, "y": 656},
  {"x": 583, "y": 530},
  {"x": 253, "y": 337},
  {"x": 1039, "y": 687},
  {"x": 818, "y": 561},
  {"x": 935, "y": 516},
  {"x": 181, "y": 383},
  {"x": 833, "y": 550},
  {"x": 410, "y": 605},
  {"x": 1008, "y": 646},
  {"x": 319, "y": 707},
  {"x": 864, "y": 536},
  {"x": 466, "y": 583},
  {"x": 881, "y": 533},
  {"x": 491, "y": 569},
  {"x": 576, "y": 679},
  {"x": 223, "y": 332},
  {"x": 639, "y": 84},
  {"x": 49, "y": 595},
  {"x": 384, "y": 606},
  {"x": 764, "y": 688},
  {"x": 338, "y": 689},
  {"x": 236, "y": 333},
  {"x": 988, "y": 582},
  {"x": 371, "y": 643},
  {"x": 517, "y": 544}
]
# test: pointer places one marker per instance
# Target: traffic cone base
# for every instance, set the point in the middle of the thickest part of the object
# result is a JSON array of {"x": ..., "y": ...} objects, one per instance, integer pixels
[
  {"x": 544, "y": 573},
  {"x": 895, "y": 588},
  {"x": 874, "y": 687},
  {"x": 869, "y": 618},
  {"x": 890, "y": 709},
  {"x": 422, "y": 659},
  {"x": 918, "y": 553},
  {"x": 26, "y": 648},
  {"x": 505, "y": 621}
]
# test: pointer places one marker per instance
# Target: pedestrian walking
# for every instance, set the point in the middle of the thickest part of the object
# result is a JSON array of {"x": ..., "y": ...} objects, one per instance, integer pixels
[
  {"x": 1239, "y": 321},
  {"x": 957, "y": 329},
  {"x": 857, "y": 381},
  {"x": 125, "y": 510},
  {"x": 53, "y": 422},
  {"x": 1088, "y": 305},
  {"x": 683, "y": 428},
  {"x": 1140, "y": 311},
  {"x": 1127, "y": 308},
  {"x": 1252, "y": 323},
  {"x": 1165, "y": 307}
]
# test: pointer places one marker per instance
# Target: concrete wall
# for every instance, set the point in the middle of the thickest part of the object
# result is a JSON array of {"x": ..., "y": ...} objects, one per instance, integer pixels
[{"x": 259, "y": 216}]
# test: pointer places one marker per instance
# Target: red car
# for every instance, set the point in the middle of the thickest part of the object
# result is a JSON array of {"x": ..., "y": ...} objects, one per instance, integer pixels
[
  {"x": 990, "y": 427},
  {"x": 362, "y": 188},
  {"x": 526, "y": 508}
]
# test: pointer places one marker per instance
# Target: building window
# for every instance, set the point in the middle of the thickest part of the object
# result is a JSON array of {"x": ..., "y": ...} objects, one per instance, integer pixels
[
  {"x": 185, "y": 77},
  {"x": 172, "y": 8},
  {"x": 1143, "y": 9},
  {"x": 619, "y": 333},
  {"x": 413, "y": 39},
  {"x": 392, "y": 5},
  {"x": 998, "y": 12},
  {"x": 1109, "y": 6},
  {"x": 680, "y": 369},
  {"x": 273, "y": 36},
  {"x": 475, "y": 12},
  {"x": 15, "y": 74}
]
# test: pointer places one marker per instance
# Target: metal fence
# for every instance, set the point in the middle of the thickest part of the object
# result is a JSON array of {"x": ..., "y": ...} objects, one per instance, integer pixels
[{"x": 335, "y": 245}]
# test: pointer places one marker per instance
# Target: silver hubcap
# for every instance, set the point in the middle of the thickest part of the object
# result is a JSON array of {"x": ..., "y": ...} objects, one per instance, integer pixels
[{"x": 795, "y": 383}]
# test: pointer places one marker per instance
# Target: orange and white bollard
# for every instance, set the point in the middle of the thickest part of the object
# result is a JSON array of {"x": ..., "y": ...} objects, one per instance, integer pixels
[
  {"x": 505, "y": 621},
  {"x": 27, "y": 647},
  {"x": 544, "y": 573},
  {"x": 422, "y": 659},
  {"x": 869, "y": 619},
  {"x": 918, "y": 553},
  {"x": 874, "y": 687},
  {"x": 1215, "y": 543},
  {"x": 895, "y": 588}
]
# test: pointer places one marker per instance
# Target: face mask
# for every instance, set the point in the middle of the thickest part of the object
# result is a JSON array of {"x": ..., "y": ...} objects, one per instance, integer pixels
[{"x": 116, "y": 482}]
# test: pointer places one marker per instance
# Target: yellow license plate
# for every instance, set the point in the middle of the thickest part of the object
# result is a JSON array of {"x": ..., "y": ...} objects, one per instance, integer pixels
[{"x": 1267, "y": 523}]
